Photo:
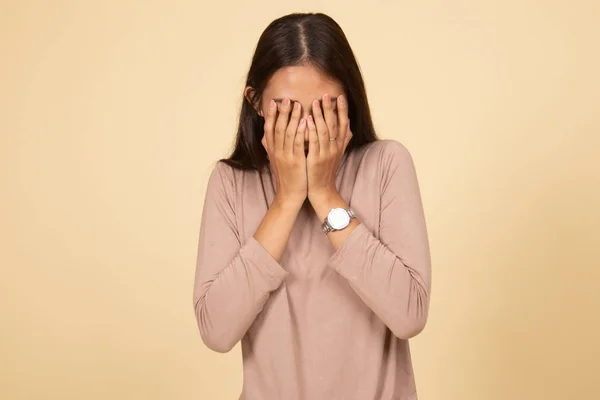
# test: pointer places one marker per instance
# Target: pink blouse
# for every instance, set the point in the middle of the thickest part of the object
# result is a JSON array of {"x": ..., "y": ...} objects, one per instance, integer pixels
[{"x": 319, "y": 324}]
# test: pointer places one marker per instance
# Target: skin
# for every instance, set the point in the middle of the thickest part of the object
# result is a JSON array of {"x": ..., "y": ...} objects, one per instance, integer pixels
[{"x": 303, "y": 159}]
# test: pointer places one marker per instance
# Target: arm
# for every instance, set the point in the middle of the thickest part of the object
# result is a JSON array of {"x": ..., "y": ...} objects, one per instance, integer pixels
[
  {"x": 390, "y": 274},
  {"x": 233, "y": 281}
]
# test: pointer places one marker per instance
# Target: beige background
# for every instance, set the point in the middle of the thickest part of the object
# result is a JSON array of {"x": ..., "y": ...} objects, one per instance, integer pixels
[{"x": 113, "y": 112}]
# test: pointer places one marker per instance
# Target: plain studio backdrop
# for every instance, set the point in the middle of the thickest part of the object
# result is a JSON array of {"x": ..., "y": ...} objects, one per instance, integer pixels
[{"x": 112, "y": 114}]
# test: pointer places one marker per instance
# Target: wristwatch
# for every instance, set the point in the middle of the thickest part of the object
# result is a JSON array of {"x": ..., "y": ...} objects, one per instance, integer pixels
[{"x": 337, "y": 219}]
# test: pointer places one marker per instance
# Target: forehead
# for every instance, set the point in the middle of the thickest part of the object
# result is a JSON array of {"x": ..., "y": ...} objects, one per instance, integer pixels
[{"x": 302, "y": 83}]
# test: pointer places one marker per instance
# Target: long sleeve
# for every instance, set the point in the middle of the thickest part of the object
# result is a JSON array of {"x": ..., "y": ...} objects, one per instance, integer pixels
[
  {"x": 392, "y": 273},
  {"x": 233, "y": 280}
]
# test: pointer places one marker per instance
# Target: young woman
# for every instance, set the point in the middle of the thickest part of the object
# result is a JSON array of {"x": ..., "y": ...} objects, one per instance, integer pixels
[{"x": 313, "y": 247}]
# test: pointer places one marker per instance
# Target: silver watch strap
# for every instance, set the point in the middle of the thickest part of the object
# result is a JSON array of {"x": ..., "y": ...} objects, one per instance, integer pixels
[{"x": 326, "y": 227}]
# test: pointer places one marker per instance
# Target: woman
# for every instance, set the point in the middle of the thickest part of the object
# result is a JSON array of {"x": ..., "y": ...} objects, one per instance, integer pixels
[{"x": 313, "y": 247}]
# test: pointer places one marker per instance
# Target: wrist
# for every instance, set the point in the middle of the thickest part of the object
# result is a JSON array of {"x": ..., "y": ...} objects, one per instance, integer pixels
[
  {"x": 323, "y": 202},
  {"x": 322, "y": 195},
  {"x": 287, "y": 203}
]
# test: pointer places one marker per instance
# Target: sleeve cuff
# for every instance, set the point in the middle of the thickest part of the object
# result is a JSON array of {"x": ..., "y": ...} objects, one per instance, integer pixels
[{"x": 259, "y": 257}]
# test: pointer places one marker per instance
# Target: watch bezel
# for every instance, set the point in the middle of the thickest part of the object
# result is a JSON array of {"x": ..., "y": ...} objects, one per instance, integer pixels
[{"x": 338, "y": 218}]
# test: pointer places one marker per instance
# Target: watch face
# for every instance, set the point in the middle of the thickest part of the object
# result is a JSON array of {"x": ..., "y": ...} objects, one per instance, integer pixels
[{"x": 338, "y": 218}]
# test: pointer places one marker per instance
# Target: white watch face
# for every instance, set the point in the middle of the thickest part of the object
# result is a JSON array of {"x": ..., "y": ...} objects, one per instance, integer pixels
[{"x": 338, "y": 218}]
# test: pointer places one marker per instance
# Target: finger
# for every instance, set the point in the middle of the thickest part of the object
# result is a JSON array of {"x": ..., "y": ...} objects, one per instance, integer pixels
[
  {"x": 263, "y": 141},
  {"x": 347, "y": 138},
  {"x": 299, "y": 139},
  {"x": 292, "y": 129},
  {"x": 281, "y": 123},
  {"x": 330, "y": 116},
  {"x": 321, "y": 126},
  {"x": 343, "y": 121},
  {"x": 313, "y": 139},
  {"x": 269, "y": 124}
]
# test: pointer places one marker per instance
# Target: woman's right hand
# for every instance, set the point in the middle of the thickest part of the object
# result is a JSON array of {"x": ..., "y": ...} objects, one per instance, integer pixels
[{"x": 284, "y": 142}]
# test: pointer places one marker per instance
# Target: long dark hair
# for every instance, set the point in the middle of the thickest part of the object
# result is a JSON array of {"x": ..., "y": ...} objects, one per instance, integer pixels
[{"x": 300, "y": 39}]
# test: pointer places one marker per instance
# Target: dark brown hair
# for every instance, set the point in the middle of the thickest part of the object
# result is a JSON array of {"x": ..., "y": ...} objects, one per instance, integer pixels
[{"x": 300, "y": 39}]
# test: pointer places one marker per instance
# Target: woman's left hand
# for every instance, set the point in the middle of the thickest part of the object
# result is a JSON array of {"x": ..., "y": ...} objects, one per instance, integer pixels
[{"x": 324, "y": 155}]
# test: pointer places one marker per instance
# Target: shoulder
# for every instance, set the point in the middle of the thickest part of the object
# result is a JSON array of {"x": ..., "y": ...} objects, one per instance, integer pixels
[
  {"x": 390, "y": 163},
  {"x": 221, "y": 178},
  {"x": 388, "y": 154},
  {"x": 232, "y": 180},
  {"x": 228, "y": 173},
  {"x": 221, "y": 173}
]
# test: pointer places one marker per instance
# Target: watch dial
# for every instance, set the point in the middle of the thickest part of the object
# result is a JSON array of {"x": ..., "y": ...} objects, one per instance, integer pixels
[{"x": 338, "y": 218}]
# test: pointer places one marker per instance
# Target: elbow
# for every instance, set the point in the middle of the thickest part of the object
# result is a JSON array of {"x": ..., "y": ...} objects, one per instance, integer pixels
[
  {"x": 409, "y": 324},
  {"x": 408, "y": 328},
  {"x": 218, "y": 340},
  {"x": 217, "y": 343}
]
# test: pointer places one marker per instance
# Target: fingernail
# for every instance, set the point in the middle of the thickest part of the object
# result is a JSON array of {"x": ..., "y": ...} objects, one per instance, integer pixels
[
  {"x": 296, "y": 106},
  {"x": 272, "y": 104},
  {"x": 310, "y": 119},
  {"x": 302, "y": 122},
  {"x": 316, "y": 104},
  {"x": 286, "y": 102},
  {"x": 341, "y": 100}
]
